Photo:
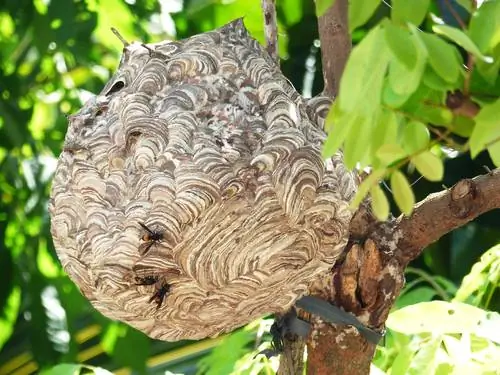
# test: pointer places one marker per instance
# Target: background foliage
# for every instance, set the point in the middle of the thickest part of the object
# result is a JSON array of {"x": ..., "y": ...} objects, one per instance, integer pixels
[{"x": 54, "y": 54}]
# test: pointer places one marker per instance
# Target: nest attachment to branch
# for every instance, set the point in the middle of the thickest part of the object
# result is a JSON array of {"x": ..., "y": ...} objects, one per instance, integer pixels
[{"x": 191, "y": 196}]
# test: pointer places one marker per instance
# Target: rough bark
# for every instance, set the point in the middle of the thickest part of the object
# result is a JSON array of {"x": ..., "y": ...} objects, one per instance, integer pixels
[
  {"x": 271, "y": 28},
  {"x": 335, "y": 45},
  {"x": 442, "y": 212},
  {"x": 371, "y": 276}
]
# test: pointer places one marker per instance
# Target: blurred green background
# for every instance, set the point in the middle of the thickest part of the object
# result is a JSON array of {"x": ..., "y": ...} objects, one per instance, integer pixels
[{"x": 53, "y": 56}]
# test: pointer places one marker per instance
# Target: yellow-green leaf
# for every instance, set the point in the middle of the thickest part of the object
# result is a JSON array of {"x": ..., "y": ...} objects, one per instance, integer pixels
[
  {"x": 429, "y": 166},
  {"x": 380, "y": 204},
  {"x": 360, "y": 11},
  {"x": 403, "y": 193},
  {"x": 442, "y": 57},
  {"x": 462, "y": 39},
  {"x": 390, "y": 153},
  {"x": 363, "y": 189},
  {"x": 415, "y": 137},
  {"x": 413, "y": 11},
  {"x": 487, "y": 128}
]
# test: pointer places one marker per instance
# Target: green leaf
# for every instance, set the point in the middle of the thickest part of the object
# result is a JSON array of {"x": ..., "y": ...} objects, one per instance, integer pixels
[
  {"x": 426, "y": 359},
  {"x": 432, "y": 80},
  {"x": 399, "y": 41},
  {"x": 462, "y": 39},
  {"x": 337, "y": 131},
  {"x": 361, "y": 83},
  {"x": 9, "y": 315},
  {"x": 391, "y": 98},
  {"x": 363, "y": 188},
  {"x": 360, "y": 11},
  {"x": 484, "y": 274},
  {"x": 415, "y": 137},
  {"x": 429, "y": 165},
  {"x": 380, "y": 204},
  {"x": 487, "y": 128},
  {"x": 402, "y": 361},
  {"x": 357, "y": 143},
  {"x": 416, "y": 295},
  {"x": 389, "y": 153},
  {"x": 442, "y": 57},
  {"x": 402, "y": 191},
  {"x": 322, "y": 6},
  {"x": 436, "y": 317},
  {"x": 494, "y": 151},
  {"x": 413, "y": 11},
  {"x": 462, "y": 125},
  {"x": 384, "y": 132},
  {"x": 484, "y": 27},
  {"x": 405, "y": 81}
]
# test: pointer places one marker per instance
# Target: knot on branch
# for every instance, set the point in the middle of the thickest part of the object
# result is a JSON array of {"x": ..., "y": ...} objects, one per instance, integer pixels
[{"x": 462, "y": 198}]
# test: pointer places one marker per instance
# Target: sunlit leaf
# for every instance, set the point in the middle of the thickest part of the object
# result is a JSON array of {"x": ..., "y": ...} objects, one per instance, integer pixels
[
  {"x": 436, "y": 317},
  {"x": 403, "y": 193},
  {"x": 415, "y": 137},
  {"x": 494, "y": 151},
  {"x": 484, "y": 28},
  {"x": 442, "y": 57},
  {"x": 487, "y": 127},
  {"x": 384, "y": 132},
  {"x": 363, "y": 76},
  {"x": 413, "y": 11},
  {"x": 363, "y": 189},
  {"x": 361, "y": 11},
  {"x": 405, "y": 81},
  {"x": 426, "y": 359},
  {"x": 400, "y": 42},
  {"x": 429, "y": 165},
  {"x": 337, "y": 131},
  {"x": 380, "y": 204},
  {"x": 389, "y": 153},
  {"x": 462, "y": 39},
  {"x": 485, "y": 274}
]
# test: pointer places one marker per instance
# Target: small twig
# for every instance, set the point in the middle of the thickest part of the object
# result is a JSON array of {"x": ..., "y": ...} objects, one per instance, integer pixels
[
  {"x": 468, "y": 74},
  {"x": 425, "y": 276},
  {"x": 271, "y": 28},
  {"x": 455, "y": 14},
  {"x": 119, "y": 36}
]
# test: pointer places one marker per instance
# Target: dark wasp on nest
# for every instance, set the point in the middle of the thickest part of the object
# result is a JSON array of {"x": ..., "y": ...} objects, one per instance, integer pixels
[
  {"x": 150, "y": 237},
  {"x": 162, "y": 287}
]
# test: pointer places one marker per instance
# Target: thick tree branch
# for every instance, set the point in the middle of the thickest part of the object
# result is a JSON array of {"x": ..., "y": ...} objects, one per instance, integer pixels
[
  {"x": 335, "y": 45},
  {"x": 442, "y": 212}
]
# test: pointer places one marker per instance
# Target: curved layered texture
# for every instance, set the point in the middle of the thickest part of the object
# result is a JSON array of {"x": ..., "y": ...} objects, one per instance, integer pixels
[{"x": 191, "y": 196}]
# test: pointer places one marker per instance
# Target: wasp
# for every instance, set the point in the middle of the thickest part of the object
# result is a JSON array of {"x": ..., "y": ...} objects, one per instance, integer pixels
[
  {"x": 150, "y": 237},
  {"x": 162, "y": 287}
]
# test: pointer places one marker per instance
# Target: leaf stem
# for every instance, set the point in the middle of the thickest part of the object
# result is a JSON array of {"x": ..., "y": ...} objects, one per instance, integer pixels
[{"x": 424, "y": 275}]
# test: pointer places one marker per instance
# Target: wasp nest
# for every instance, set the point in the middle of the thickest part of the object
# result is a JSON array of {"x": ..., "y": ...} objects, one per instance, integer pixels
[{"x": 191, "y": 196}]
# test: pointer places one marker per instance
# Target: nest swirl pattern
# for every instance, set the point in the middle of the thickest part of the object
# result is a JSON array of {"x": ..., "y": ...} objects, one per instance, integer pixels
[{"x": 191, "y": 196}]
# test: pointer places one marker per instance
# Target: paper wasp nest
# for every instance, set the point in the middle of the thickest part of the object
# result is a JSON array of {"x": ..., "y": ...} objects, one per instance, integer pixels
[{"x": 191, "y": 196}]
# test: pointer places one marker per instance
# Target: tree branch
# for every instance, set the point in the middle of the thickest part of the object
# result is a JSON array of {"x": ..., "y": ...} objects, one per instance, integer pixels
[
  {"x": 335, "y": 45},
  {"x": 271, "y": 28},
  {"x": 440, "y": 213}
]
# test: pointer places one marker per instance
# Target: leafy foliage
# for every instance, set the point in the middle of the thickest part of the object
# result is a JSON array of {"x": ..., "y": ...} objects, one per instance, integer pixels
[
  {"x": 405, "y": 75},
  {"x": 392, "y": 114}
]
